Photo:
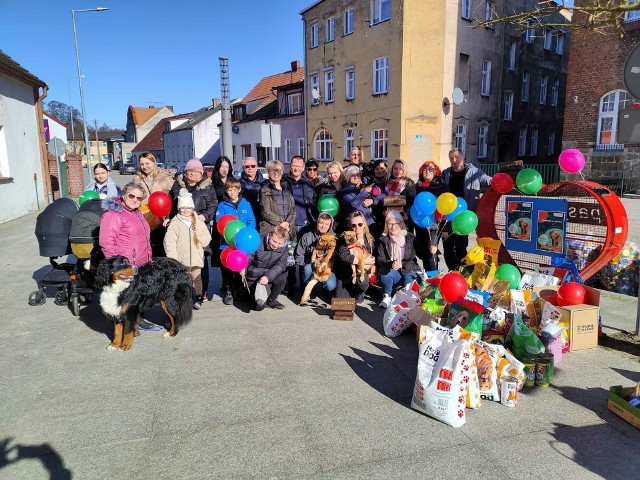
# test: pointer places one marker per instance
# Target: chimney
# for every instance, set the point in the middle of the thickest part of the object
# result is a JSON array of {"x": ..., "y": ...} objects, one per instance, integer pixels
[
  {"x": 215, "y": 101},
  {"x": 170, "y": 107},
  {"x": 295, "y": 65}
]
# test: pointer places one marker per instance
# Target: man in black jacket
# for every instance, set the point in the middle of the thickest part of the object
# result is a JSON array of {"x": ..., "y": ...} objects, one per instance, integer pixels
[{"x": 251, "y": 181}]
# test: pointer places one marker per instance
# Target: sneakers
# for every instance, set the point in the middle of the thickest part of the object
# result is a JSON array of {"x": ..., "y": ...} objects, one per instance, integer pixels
[
  {"x": 198, "y": 303},
  {"x": 386, "y": 300},
  {"x": 228, "y": 298},
  {"x": 147, "y": 326},
  {"x": 275, "y": 304}
]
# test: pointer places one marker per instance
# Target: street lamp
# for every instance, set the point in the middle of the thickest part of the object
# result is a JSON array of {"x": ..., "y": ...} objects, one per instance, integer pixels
[{"x": 87, "y": 148}]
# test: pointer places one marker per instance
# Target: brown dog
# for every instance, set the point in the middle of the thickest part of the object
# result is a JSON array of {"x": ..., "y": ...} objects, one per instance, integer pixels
[
  {"x": 357, "y": 251},
  {"x": 322, "y": 263}
]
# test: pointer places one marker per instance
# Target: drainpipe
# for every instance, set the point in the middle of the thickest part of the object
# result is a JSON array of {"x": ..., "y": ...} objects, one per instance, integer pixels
[
  {"x": 304, "y": 87},
  {"x": 44, "y": 160}
]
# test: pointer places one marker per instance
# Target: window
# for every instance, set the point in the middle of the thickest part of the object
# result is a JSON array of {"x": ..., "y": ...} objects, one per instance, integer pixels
[
  {"x": 524, "y": 94},
  {"x": 465, "y": 9},
  {"x": 302, "y": 148},
  {"x": 512, "y": 56},
  {"x": 328, "y": 87},
  {"x": 276, "y": 153},
  {"x": 246, "y": 151},
  {"x": 633, "y": 15},
  {"x": 349, "y": 141},
  {"x": 323, "y": 145},
  {"x": 488, "y": 13},
  {"x": 522, "y": 142},
  {"x": 508, "y": 106},
  {"x": 314, "y": 34},
  {"x": 552, "y": 142},
  {"x": 483, "y": 136},
  {"x": 379, "y": 144},
  {"x": 460, "y": 140},
  {"x": 349, "y": 83},
  {"x": 347, "y": 22},
  {"x": 4, "y": 155},
  {"x": 294, "y": 103},
  {"x": 560, "y": 43},
  {"x": 548, "y": 37},
  {"x": 288, "y": 150},
  {"x": 485, "y": 88},
  {"x": 381, "y": 11},
  {"x": 330, "y": 29},
  {"x": 610, "y": 105},
  {"x": 534, "y": 142},
  {"x": 530, "y": 33},
  {"x": 380, "y": 75},
  {"x": 555, "y": 86},
  {"x": 543, "y": 90},
  {"x": 314, "y": 91}
]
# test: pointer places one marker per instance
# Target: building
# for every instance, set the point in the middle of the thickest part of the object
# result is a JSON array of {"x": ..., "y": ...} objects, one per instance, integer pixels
[
  {"x": 381, "y": 75},
  {"x": 101, "y": 148},
  {"x": 141, "y": 120},
  {"x": 54, "y": 128}
]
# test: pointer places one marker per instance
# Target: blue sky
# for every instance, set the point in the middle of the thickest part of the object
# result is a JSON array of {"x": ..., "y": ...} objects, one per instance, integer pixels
[{"x": 142, "y": 51}]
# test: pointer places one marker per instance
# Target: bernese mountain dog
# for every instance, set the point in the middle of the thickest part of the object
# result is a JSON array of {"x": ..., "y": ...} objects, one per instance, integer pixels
[{"x": 127, "y": 291}]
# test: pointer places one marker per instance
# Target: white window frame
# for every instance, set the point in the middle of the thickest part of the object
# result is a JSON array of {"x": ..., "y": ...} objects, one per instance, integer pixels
[
  {"x": 548, "y": 38},
  {"x": 378, "y": 11},
  {"x": 533, "y": 148},
  {"x": 512, "y": 55},
  {"x": 380, "y": 70},
  {"x": 246, "y": 150},
  {"x": 544, "y": 81},
  {"x": 526, "y": 81},
  {"x": 349, "y": 83},
  {"x": 508, "y": 106},
  {"x": 349, "y": 141},
  {"x": 488, "y": 13},
  {"x": 330, "y": 29},
  {"x": 314, "y": 82},
  {"x": 276, "y": 153},
  {"x": 559, "y": 43},
  {"x": 608, "y": 107},
  {"x": 555, "y": 87},
  {"x": 302, "y": 148},
  {"x": 552, "y": 142},
  {"x": 633, "y": 15},
  {"x": 485, "y": 86},
  {"x": 314, "y": 35},
  {"x": 294, "y": 103},
  {"x": 348, "y": 21},
  {"x": 460, "y": 137},
  {"x": 288, "y": 150},
  {"x": 522, "y": 141},
  {"x": 483, "y": 140},
  {"x": 323, "y": 145},
  {"x": 379, "y": 143},
  {"x": 465, "y": 9},
  {"x": 329, "y": 86},
  {"x": 530, "y": 33}
]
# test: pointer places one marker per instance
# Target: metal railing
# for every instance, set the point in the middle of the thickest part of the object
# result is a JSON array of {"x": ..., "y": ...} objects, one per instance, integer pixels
[{"x": 550, "y": 171}]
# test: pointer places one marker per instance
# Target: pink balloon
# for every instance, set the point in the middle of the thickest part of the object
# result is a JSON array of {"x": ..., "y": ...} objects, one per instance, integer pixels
[
  {"x": 237, "y": 260},
  {"x": 571, "y": 160}
]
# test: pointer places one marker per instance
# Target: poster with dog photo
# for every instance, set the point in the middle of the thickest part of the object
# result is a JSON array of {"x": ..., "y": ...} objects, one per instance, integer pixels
[
  {"x": 551, "y": 232},
  {"x": 519, "y": 215}
]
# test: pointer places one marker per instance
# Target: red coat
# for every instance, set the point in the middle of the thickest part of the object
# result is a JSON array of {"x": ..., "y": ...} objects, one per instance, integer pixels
[{"x": 124, "y": 232}]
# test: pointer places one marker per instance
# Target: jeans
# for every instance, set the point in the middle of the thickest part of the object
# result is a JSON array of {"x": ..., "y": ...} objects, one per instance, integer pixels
[
  {"x": 391, "y": 278},
  {"x": 307, "y": 274},
  {"x": 455, "y": 249}
]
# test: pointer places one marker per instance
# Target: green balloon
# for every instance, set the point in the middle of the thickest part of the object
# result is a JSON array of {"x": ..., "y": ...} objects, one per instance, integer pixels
[
  {"x": 529, "y": 181},
  {"x": 329, "y": 204},
  {"x": 464, "y": 222},
  {"x": 88, "y": 195},
  {"x": 233, "y": 227},
  {"x": 509, "y": 273}
]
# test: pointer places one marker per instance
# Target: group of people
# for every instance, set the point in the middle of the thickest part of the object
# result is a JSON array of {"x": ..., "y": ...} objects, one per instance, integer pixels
[{"x": 382, "y": 239}]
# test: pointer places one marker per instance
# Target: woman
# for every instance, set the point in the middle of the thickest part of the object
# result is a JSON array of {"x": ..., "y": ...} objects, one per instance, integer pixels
[
  {"x": 276, "y": 202},
  {"x": 396, "y": 256},
  {"x": 364, "y": 242},
  {"x": 102, "y": 183},
  {"x": 221, "y": 171},
  {"x": 380, "y": 173},
  {"x": 430, "y": 180},
  {"x": 400, "y": 184},
  {"x": 333, "y": 186},
  {"x": 354, "y": 196}
]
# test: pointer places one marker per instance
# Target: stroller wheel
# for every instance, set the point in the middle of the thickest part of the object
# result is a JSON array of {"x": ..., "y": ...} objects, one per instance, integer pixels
[
  {"x": 61, "y": 298},
  {"x": 75, "y": 305},
  {"x": 37, "y": 298}
]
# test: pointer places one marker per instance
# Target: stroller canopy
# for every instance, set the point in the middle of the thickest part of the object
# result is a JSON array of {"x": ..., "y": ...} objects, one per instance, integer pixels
[
  {"x": 85, "y": 226},
  {"x": 53, "y": 226}
]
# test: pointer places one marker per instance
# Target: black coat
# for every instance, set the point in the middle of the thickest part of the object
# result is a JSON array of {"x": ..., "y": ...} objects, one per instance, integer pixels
[
  {"x": 251, "y": 192},
  {"x": 309, "y": 197},
  {"x": 412, "y": 248},
  {"x": 343, "y": 266},
  {"x": 266, "y": 262},
  {"x": 203, "y": 194}
]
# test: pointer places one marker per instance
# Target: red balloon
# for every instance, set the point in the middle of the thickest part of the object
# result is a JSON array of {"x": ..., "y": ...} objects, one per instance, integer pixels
[
  {"x": 453, "y": 286},
  {"x": 225, "y": 254},
  {"x": 502, "y": 183},
  {"x": 571, "y": 293},
  {"x": 160, "y": 204},
  {"x": 222, "y": 222},
  {"x": 437, "y": 216}
]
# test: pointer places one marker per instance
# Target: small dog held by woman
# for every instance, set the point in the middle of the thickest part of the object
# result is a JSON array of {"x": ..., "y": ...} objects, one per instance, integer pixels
[{"x": 322, "y": 262}]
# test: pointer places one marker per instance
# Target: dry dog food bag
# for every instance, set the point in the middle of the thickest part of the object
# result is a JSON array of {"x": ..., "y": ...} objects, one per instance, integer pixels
[{"x": 396, "y": 317}]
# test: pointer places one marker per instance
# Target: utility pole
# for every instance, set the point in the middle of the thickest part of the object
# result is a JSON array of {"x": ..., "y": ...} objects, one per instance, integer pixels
[
  {"x": 225, "y": 102},
  {"x": 95, "y": 122},
  {"x": 73, "y": 131}
]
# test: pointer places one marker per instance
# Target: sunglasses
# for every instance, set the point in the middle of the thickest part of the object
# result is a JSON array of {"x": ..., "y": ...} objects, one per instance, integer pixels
[
  {"x": 354, "y": 225},
  {"x": 250, "y": 166},
  {"x": 131, "y": 196},
  {"x": 312, "y": 169}
]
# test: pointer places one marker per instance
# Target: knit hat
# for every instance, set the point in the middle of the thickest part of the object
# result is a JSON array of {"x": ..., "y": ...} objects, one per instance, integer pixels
[
  {"x": 351, "y": 170},
  {"x": 184, "y": 198},
  {"x": 194, "y": 164}
]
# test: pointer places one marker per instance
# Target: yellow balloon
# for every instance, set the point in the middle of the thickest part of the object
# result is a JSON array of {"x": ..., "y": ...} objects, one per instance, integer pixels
[{"x": 446, "y": 203}]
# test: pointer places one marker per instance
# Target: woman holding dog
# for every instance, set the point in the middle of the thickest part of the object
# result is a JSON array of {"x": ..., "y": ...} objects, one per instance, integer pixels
[
  {"x": 349, "y": 254},
  {"x": 430, "y": 180},
  {"x": 355, "y": 196},
  {"x": 333, "y": 186}
]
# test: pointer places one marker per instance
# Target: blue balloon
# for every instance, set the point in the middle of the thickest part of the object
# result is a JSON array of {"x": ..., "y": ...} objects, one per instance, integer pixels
[
  {"x": 461, "y": 207},
  {"x": 426, "y": 221},
  {"x": 247, "y": 240},
  {"x": 425, "y": 203},
  {"x": 415, "y": 214}
]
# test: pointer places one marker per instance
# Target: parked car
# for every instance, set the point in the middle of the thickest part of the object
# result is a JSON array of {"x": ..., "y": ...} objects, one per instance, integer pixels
[
  {"x": 128, "y": 169},
  {"x": 173, "y": 168},
  {"x": 208, "y": 170},
  {"x": 161, "y": 165}
]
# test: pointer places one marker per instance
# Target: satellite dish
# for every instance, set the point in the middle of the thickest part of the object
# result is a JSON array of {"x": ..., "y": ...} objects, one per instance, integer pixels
[
  {"x": 315, "y": 94},
  {"x": 235, "y": 129},
  {"x": 457, "y": 96},
  {"x": 631, "y": 73}
]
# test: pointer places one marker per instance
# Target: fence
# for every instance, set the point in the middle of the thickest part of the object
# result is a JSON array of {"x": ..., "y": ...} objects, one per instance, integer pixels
[{"x": 550, "y": 171}]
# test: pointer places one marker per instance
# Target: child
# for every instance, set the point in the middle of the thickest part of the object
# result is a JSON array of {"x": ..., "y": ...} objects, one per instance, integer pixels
[
  {"x": 232, "y": 203},
  {"x": 185, "y": 240}
]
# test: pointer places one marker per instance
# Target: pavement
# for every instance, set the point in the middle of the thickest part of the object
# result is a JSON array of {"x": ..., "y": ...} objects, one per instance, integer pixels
[{"x": 277, "y": 394}]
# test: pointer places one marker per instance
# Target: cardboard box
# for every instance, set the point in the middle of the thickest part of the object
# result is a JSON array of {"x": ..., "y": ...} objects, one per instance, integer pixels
[
  {"x": 619, "y": 405},
  {"x": 581, "y": 320},
  {"x": 422, "y": 319}
]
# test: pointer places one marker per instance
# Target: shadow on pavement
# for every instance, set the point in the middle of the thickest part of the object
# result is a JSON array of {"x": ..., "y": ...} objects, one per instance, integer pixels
[
  {"x": 50, "y": 458},
  {"x": 622, "y": 342},
  {"x": 91, "y": 315},
  {"x": 633, "y": 376},
  {"x": 594, "y": 399}
]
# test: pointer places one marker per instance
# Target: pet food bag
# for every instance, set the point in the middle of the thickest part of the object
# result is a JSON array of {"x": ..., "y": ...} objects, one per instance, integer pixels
[
  {"x": 536, "y": 279},
  {"x": 486, "y": 362},
  {"x": 467, "y": 314},
  {"x": 441, "y": 381},
  {"x": 524, "y": 340},
  {"x": 396, "y": 316}
]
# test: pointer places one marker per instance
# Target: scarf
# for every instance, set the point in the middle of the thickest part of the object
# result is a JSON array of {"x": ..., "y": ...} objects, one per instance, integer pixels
[
  {"x": 398, "y": 243},
  {"x": 394, "y": 187}
]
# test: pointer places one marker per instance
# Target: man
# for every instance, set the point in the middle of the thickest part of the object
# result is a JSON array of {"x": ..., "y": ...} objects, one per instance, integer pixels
[
  {"x": 266, "y": 271},
  {"x": 465, "y": 181},
  {"x": 311, "y": 172},
  {"x": 251, "y": 181},
  {"x": 356, "y": 157}
]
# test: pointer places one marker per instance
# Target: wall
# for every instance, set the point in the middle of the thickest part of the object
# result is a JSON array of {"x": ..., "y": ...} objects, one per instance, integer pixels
[
  {"x": 206, "y": 135},
  {"x": 178, "y": 147},
  {"x": 248, "y": 134},
  {"x": 291, "y": 128}
]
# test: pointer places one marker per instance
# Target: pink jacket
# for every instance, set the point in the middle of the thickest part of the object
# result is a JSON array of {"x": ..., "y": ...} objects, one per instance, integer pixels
[{"x": 124, "y": 232}]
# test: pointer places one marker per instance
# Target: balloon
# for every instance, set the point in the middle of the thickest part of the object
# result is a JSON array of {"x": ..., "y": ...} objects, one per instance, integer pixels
[
  {"x": 446, "y": 203},
  {"x": 159, "y": 204},
  {"x": 329, "y": 204},
  {"x": 425, "y": 203},
  {"x": 247, "y": 240},
  {"x": 464, "y": 223},
  {"x": 233, "y": 227},
  {"x": 502, "y": 183},
  {"x": 237, "y": 260},
  {"x": 571, "y": 161},
  {"x": 425, "y": 222},
  {"x": 415, "y": 214},
  {"x": 462, "y": 206},
  {"x": 509, "y": 273},
  {"x": 438, "y": 217},
  {"x": 375, "y": 191},
  {"x": 571, "y": 293},
  {"x": 88, "y": 195},
  {"x": 222, "y": 222},
  {"x": 225, "y": 254},
  {"x": 529, "y": 181},
  {"x": 453, "y": 286}
]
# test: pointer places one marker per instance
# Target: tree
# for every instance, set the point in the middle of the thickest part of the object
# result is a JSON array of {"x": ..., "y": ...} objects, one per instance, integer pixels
[{"x": 61, "y": 111}]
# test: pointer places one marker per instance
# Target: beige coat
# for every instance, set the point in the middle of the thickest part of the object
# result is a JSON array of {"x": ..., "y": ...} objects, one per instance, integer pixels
[
  {"x": 178, "y": 242},
  {"x": 162, "y": 183}
]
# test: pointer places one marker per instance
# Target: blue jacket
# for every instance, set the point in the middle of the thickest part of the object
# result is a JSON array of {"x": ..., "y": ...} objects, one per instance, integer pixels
[
  {"x": 244, "y": 213},
  {"x": 475, "y": 182}
]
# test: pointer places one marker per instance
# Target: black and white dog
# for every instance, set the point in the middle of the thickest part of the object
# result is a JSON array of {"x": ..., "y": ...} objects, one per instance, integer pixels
[{"x": 126, "y": 292}]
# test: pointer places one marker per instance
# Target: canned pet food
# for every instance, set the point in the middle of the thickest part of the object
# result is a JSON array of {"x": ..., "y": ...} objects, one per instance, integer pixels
[
  {"x": 508, "y": 391},
  {"x": 542, "y": 372},
  {"x": 550, "y": 358},
  {"x": 529, "y": 373}
]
